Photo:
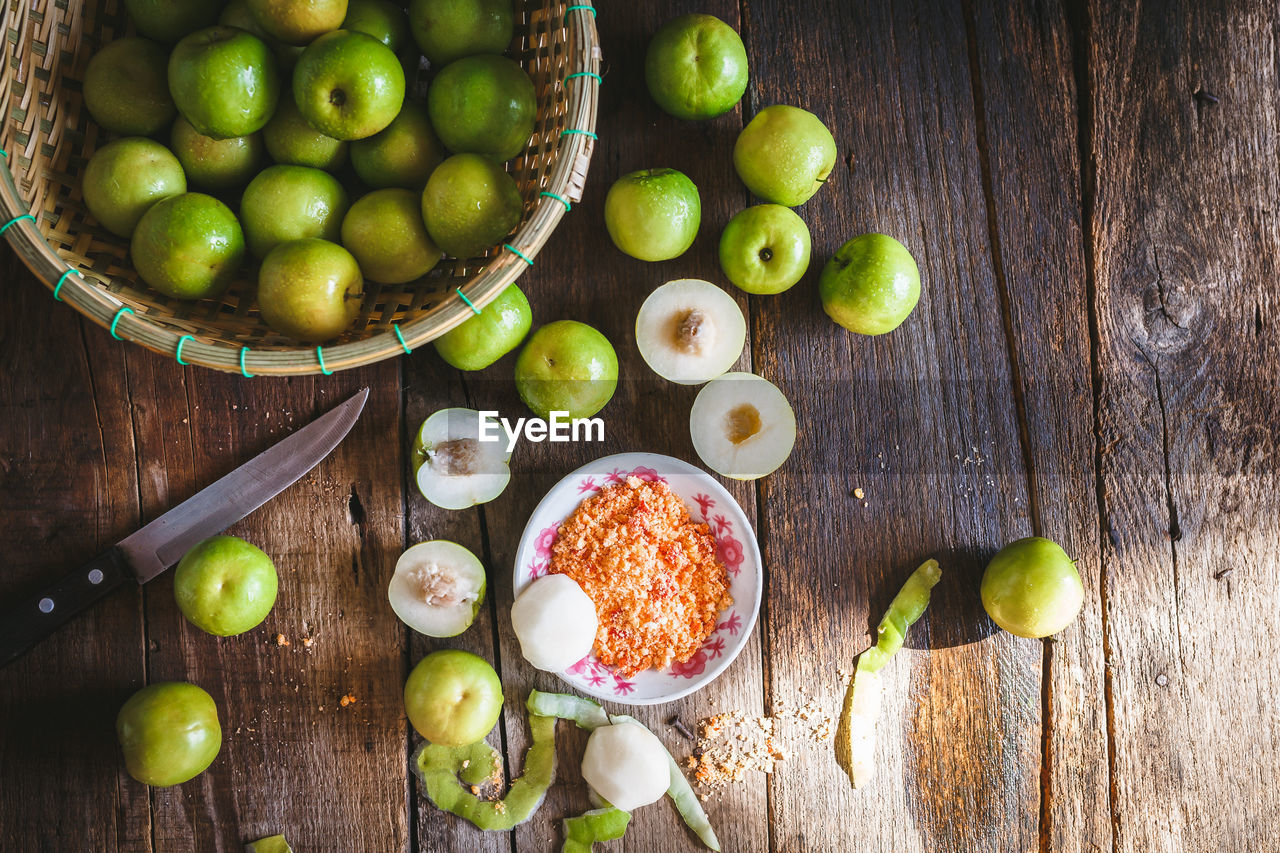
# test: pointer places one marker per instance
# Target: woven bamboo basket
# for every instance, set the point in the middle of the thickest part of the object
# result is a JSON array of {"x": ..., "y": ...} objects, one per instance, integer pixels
[{"x": 47, "y": 137}]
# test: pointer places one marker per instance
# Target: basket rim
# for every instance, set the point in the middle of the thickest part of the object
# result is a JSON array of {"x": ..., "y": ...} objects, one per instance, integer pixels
[{"x": 70, "y": 285}]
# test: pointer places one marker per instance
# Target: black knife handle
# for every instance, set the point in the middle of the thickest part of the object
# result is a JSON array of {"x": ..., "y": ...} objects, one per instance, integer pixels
[{"x": 39, "y": 615}]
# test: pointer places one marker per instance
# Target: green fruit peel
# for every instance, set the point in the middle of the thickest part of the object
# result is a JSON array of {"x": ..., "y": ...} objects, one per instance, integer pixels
[
  {"x": 441, "y": 767},
  {"x": 581, "y": 832},
  {"x": 856, "y": 736},
  {"x": 590, "y": 715},
  {"x": 272, "y": 844}
]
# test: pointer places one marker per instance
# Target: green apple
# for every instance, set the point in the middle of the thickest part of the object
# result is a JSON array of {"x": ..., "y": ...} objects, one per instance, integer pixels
[
  {"x": 385, "y": 232},
  {"x": 216, "y": 165},
  {"x": 381, "y": 19},
  {"x": 653, "y": 214},
  {"x": 309, "y": 289},
  {"x": 170, "y": 20},
  {"x": 696, "y": 67},
  {"x": 470, "y": 204},
  {"x": 1031, "y": 588},
  {"x": 566, "y": 366},
  {"x": 238, "y": 14},
  {"x": 124, "y": 178},
  {"x": 126, "y": 87},
  {"x": 289, "y": 203},
  {"x": 784, "y": 154},
  {"x": 225, "y": 586},
  {"x": 292, "y": 141},
  {"x": 871, "y": 285},
  {"x": 169, "y": 733},
  {"x": 224, "y": 81},
  {"x": 453, "y": 698},
  {"x": 451, "y": 29},
  {"x": 348, "y": 85},
  {"x": 403, "y": 154},
  {"x": 483, "y": 105},
  {"x": 765, "y": 249},
  {"x": 298, "y": 21},
  {"x": 481, "y": 340},
  {"x": 188, "y": 246}
]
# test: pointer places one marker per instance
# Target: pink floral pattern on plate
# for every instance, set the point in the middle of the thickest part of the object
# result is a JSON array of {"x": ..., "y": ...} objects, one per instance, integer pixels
[{"x": 591, "y": 676}]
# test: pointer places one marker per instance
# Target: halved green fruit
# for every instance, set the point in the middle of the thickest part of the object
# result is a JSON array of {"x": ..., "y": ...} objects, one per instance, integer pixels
[
  {"x": 437, "y": 588},
  {"x": 453, "y": 468}
]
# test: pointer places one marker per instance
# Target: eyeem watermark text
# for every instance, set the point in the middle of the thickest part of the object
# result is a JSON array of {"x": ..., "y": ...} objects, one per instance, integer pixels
[{"x": 559, "y": 428}]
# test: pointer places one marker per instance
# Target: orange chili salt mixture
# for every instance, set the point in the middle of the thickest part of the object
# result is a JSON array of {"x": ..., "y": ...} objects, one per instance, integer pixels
[{"x": 651, "y": 571}]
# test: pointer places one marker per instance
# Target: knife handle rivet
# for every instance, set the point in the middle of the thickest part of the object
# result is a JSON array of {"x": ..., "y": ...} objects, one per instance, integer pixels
[
  {"x": 95, "y": 576},
  {"x": 46, "y": 605}
]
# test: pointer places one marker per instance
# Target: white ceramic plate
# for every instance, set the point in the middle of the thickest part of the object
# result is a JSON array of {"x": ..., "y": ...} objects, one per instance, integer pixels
[{"x": 736, "y": 547}]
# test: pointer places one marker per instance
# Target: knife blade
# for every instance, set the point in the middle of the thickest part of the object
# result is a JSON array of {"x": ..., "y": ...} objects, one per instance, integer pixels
[{"x": 161, "y": 543}]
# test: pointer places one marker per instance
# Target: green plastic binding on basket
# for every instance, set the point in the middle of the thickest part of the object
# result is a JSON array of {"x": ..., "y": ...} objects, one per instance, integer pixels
[
  {"x": 519, "y": 254},
  {"x": 62, "y": 279},
  {"x": 320, "y": 358},
  {"x": 578, "y": 8},
  {"x": 572, "y": 130},
  {"x": 244, "y": 371},
  {"x": 593, "y": 75},
  {"x": 115, "y": 321},
  {"x": 400, "y": 336},
  {"x": 177, "y": 353},
  {"x": 5, "y": 227},
  {"x": 567, "y": 207},
  {"x": 464, "y": 298}
]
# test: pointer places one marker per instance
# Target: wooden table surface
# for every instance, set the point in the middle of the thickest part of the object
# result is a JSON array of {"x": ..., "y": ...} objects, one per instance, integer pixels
[{"x": 1090, "y": 189}]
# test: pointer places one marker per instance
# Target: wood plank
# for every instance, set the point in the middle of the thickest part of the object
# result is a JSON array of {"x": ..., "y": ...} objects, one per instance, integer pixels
[
  {"x": 580, "y": 275},
  {"x": 431, "y": 385},
  {"x": 293, "y": 759},
  {"x": 1027, "y": 102},
  {"x": 1184, "y": 261},
  {"x": 68, "y": 490},
  {"x": 923, "y": 421}
]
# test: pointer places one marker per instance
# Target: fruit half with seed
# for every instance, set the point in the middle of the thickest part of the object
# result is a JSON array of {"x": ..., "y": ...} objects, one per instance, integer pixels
[
  {"x": 690, "y": 331},
  {"x": 437, "y": 588},
  {"x": 742, "y": 426},
  {"x": 453, "y": 467}
]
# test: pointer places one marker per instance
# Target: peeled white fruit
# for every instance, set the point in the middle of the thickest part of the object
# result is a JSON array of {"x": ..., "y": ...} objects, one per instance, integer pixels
[
  {"x": 455, "y": 469},
  {"x": 690, "y": 331},
  {"x": 555, "y": 622},
  {"x": 437, "y": 588},
  {"x": 742, "y": 426},
  {"x": 627, "y": 765}
]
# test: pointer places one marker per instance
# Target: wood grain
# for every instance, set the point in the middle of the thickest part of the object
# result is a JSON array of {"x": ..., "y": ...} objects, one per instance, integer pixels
[
  {"x": 923, "y": 421},
  {"x": 68, "y": 489},
  {"x": 1026, "y": 107},
  {"x": 1185, "y": 246}
]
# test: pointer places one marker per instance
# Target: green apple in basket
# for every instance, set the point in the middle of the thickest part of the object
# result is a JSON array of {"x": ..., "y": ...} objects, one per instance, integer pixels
[
  {"x": 348, "y": 85},
  {"x": 483, "y": 105},
  {"x": 216, "y": 165},
  {"x": 188, "y": 246},
  {"x": 446, "y": 30},
  {"x": 126, "y": 87},
  {"x": 470, "y": 204},
  {"x": 289, "y": 203},
  {"x": 125, "y": 177},
  {"x": 385, "y": 232},
  {"x": 310, "y": 289},
  {"x": 382, "y": 19},
  {"x": 298, "y": 22},
  {"x": 170, "y": 20},
  {"x": 224, "y": 81},
  {"x": 402, "y": 154},
  {"x": 291, "y": 140}
]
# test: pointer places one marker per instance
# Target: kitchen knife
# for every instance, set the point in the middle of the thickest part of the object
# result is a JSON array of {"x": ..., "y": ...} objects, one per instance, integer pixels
[{"x": 157, "y": 546}]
